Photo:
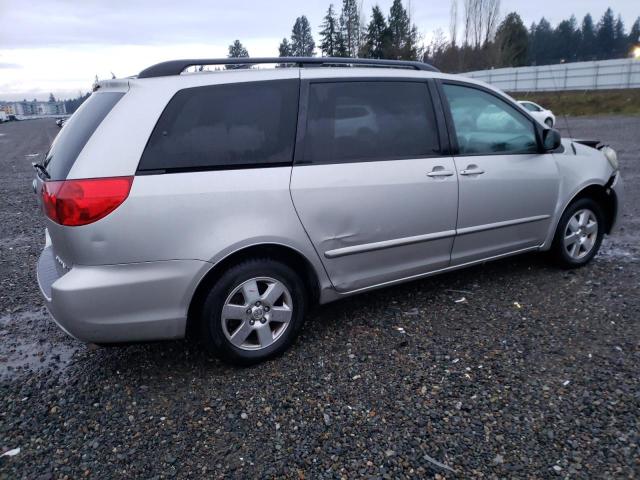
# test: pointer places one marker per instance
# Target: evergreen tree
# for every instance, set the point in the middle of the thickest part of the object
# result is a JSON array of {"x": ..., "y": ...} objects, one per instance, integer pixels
[
  {"x": 532, "y": 44},
  {"x": 284, "y": 50},
  {"x": 329, "y": 34},
  {"x": 341, "y": 44},
  {"x": 620, "y": 38},
  {"x": 588, "y": 39},
  {"x": 606, "y": 35},
  {"x": 377, "y": 36},
  {"x": 403, "y": 38},
  {"x": 350, "y": 28},
  {"x": 634, "y": 35},
  {"x": 302, "y": 44},
  {"x": 512, "y": 41},
  {"x": 71, "y": 105},
  {"x": 567, "y": 41},
  {"x": 542, "y": 45},
  {"x": 237, "y": 50}
]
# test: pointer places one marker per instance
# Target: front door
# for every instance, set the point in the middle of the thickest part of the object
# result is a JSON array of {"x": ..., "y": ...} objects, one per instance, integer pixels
[
  {"x": 508, "y": 188},
  {"x": 372, "y": 190}
]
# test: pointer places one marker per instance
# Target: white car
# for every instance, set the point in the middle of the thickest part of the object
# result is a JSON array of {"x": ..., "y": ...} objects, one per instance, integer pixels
[{"x": 543, "y": 115}]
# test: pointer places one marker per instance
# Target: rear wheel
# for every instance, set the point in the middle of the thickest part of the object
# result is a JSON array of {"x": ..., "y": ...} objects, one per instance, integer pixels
[
  {"x": 253, "y": 312},
  {"x": 579, "y": 233}
]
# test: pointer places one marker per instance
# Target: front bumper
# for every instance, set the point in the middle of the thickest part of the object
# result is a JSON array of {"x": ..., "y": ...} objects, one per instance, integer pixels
[
  {"x": 617, "y": 186},
  {"x": 120, "y": 303}
]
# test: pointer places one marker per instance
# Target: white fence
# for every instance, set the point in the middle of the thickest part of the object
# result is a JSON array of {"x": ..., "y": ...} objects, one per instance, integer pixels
[{"x": 599, "y": 75}]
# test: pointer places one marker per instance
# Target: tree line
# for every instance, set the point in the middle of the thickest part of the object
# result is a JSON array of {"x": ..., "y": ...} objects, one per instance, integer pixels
[
  {"x": 512, "y": 44},
  {"x": 72, "y": 104},
  {"x": 347, "y": 34},
  {"x": 476, "y": 39}
]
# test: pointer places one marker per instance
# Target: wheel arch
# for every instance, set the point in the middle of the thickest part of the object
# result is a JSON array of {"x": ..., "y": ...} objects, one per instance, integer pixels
[
  {"x": 603, "y": 194},
  {"x": 606, "y": 198},
  {"x": 275, "y": 251}
]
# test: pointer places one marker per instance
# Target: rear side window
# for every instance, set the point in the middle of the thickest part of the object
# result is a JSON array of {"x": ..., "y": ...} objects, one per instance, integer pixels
[
  {"x": 368, "y": 121},
  {"x": 76, "y": 133},
  {"x": 225, "y": 126},
  {"x": 531, "y": 107}
]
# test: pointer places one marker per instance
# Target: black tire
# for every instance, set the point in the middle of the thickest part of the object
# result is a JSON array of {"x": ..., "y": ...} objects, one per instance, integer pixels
[
  {"x": 212, "y": 333},
  {"x": 549, "y": 122},
  {"x": 559, "y": 251}
]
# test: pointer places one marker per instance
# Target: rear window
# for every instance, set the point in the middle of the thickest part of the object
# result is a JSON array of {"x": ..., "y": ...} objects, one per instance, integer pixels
[
  {"x": 225, "y": 126},
  {"x": 369, "y": 121},
  {"x": 76, "y": 133}
]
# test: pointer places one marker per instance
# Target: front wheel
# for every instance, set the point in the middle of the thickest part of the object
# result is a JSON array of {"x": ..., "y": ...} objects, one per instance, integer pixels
[
  {"x": 579, "y": 233},
  {"x": 549, "y": 122},
  {"x": 254, "y": 311}
]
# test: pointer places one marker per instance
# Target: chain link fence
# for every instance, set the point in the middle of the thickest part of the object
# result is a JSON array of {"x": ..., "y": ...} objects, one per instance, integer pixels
[{"x": 598, "y": 75}]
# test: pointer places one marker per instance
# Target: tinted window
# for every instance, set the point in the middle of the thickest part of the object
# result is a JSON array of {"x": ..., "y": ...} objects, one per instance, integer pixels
[
  {"x": 353, "y": 121},
  {"x": 225, "y": 126},
  {"x": 485, "y": 124},
  {"x": 530, "y": 106},
  {"x": 76, "y": 133}
]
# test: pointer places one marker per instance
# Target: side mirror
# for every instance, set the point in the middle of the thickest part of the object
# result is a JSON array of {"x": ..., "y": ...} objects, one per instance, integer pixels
[{"x": 551, "y": 139}]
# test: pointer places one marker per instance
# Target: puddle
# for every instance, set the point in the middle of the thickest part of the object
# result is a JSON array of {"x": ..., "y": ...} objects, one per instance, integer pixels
[{"x": 28, "y": 344}]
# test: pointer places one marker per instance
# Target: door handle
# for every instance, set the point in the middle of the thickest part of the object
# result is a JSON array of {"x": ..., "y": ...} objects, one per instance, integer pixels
[
  {"x": 472, "y": 170},
  {"x": 439, "y": 172}
]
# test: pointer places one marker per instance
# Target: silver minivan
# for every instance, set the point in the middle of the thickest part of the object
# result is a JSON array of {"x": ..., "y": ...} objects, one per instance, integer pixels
[{"x": 224, "y": 203}]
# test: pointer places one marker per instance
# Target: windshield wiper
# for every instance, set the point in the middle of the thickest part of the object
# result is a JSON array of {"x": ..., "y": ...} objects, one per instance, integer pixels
[{"x": 41, "y": 169}]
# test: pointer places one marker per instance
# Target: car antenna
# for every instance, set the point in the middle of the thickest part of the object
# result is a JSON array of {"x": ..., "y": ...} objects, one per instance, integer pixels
[{"x": 564, "y": 115}]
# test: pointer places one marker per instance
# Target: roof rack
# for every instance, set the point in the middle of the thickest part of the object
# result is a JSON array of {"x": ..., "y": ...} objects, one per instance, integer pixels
[{"x": 176, "y": 67}]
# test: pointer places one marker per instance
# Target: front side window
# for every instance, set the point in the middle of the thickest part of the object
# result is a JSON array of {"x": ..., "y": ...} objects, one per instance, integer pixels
[
  {"x": 368, "y": 121},
  {"x": 485, "y": 124},
  {"x": 225, "y": 126}
]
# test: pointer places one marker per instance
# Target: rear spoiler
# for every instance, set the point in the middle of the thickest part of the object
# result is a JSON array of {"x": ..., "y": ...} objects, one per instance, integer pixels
[{"x": 117, "y": 84}]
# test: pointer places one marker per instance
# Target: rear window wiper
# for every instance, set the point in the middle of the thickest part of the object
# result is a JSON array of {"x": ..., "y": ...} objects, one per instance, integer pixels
[{"x": 41, "y": 169}]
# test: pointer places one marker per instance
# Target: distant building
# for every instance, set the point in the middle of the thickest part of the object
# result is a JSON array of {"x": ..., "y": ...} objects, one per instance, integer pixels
[{"x": 33, "y": 108}]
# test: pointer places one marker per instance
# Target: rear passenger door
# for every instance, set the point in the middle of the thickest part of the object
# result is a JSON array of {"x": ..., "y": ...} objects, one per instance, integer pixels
[{"x": 372, "y": 183}]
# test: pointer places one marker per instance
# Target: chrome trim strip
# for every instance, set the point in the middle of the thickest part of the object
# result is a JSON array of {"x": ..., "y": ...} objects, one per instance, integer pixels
[
  {"x": 435, "y": 272},
  {"x": 396, "y": 242},
  {"x": 506, "y": 223}
]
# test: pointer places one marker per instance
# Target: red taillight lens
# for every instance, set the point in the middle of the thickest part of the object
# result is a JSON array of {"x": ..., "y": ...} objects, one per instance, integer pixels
[{"x": 80, "y": 202}]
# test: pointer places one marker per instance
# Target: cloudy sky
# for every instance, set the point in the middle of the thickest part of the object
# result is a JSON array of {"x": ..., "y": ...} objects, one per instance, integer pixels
[{"x": 59, "y": 46}]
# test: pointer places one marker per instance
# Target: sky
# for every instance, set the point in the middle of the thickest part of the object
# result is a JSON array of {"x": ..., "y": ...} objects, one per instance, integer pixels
[{"x": 59, "y": 46}]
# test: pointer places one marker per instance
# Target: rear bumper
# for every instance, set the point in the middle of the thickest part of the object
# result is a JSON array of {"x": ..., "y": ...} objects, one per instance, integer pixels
[{"x": 120, "y": 303}]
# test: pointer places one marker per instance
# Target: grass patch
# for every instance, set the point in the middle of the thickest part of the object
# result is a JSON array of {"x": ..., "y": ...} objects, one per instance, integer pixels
[{"x": 592, "y": 102}]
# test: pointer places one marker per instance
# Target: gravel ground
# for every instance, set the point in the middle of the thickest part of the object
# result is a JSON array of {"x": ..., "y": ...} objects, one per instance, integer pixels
[{"x": 534, "y": 375}]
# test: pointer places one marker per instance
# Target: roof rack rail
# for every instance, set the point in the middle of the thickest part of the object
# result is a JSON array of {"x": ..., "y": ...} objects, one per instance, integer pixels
[{"x": 176, "y": 67}]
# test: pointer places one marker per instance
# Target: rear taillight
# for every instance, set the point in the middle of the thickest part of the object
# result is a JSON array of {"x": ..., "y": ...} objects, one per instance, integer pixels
[{"x": 80, "y": 202}]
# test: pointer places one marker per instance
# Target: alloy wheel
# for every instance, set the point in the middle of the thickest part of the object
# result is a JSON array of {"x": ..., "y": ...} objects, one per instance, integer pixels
[
  {"x": 581, "y": 234},
  {"x": 257, "y": 313}
]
